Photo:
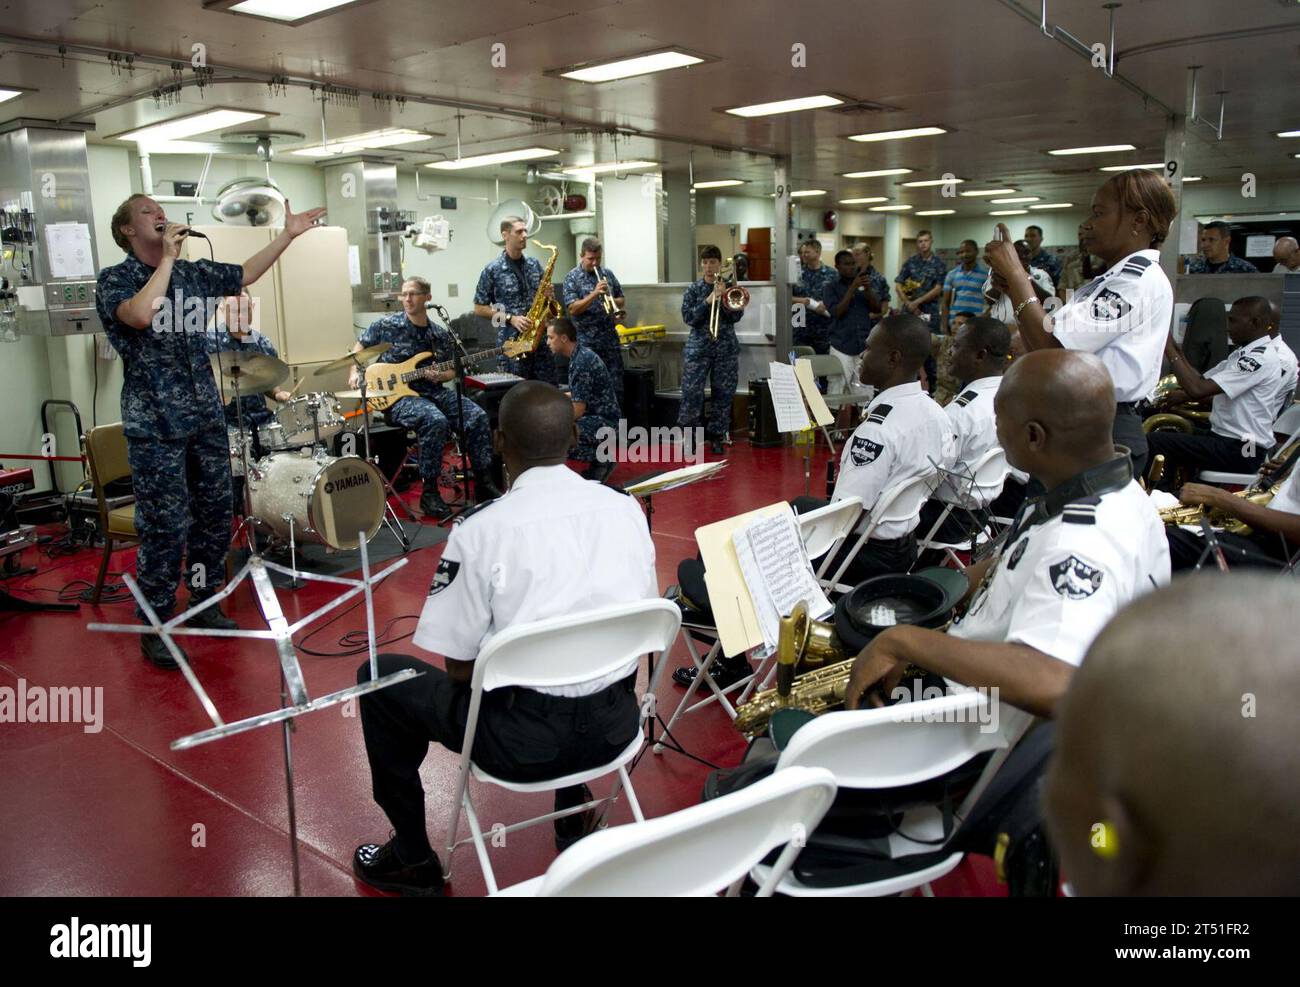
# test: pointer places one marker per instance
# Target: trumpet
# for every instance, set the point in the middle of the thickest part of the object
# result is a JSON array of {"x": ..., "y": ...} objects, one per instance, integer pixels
[
  {"x": 734, "y": 297},
  {"x": 611, "y": 306}
]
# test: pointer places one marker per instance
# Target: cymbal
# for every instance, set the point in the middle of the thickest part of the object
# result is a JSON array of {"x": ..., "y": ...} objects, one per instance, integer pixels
[
  {"x": 352, "y": 395},
  {"x": 255, "y": 371},
  {"x": 360, "y": 356}
]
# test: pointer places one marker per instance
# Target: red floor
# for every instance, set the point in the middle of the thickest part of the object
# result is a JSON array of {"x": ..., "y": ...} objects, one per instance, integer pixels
[{"x": 118, "y": 813}]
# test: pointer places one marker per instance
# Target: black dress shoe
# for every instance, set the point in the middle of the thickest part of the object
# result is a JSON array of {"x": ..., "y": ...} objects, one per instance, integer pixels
[
  {"x": 432, "y": 504},
  {"x": 212, "y": 619},
  {"x": 715, "y": 446},
  {"x": 598, "y": 471},
  {"x": 381, "y": 868},
  {"x": 724, "y": 673},
  {"x": 571, "y": 829},
  {"x": 152, "y": 647}
]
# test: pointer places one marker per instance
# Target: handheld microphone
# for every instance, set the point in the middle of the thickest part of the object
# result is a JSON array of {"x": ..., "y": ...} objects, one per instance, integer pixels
[{"x": 201, "y": 236}]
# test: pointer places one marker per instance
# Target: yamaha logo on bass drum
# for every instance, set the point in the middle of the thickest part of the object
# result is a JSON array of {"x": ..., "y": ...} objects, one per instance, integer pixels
[{"x": 347, "y": 482}]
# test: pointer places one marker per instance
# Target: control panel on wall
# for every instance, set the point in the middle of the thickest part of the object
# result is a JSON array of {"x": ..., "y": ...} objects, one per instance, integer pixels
[{"x": 71, "y": 307}]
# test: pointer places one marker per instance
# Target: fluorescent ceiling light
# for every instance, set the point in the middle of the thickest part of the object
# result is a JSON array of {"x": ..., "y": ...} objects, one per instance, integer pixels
[
  {"x": 930, "y": 182},
  {"x": 807, "y": 192},
  {"x": 987, "y": 191},
  {"x": 786, "y": 106},
  {"x": 719, "y": 183},
  {"x": 1018, "y": 198},
  {"x": 880, "y": 173},
  {"x": 607, "y": 166},
  {"x": 1158, "y": 164},
  {"x": 188, "y": 126},
  {"x": 286, "y": 10},
  {"x": 362, "y": 142},
  {"x": 625, "y": 68},
  {"x": 863, "y": 200},
  {"x": 1009, "y": 212},
  {"x": 1099, "y": 149},
  {"x": 1197, "y": 178},
  {"x": 897, "y": 135},
  {"x": 8, "y": 94},
  {"x": 1054, "y": 205},
  {"x": 500, "y": 157},
  {"x": 181, "y": 147},
  {"x": 1288, "y": 133},
  {"x": 889, "y": 208},
  {"x": 936, "y": 212}
]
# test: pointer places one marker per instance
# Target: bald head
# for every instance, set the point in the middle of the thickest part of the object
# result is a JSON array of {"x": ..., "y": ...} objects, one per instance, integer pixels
[
  {"x": 1178, "y": 746},
  {"x": 910, "y": 335},
  {"x": 1249, "y": 319},
  {"x": 536, "y": 423},
  {"x": 1287, "y": 251}
]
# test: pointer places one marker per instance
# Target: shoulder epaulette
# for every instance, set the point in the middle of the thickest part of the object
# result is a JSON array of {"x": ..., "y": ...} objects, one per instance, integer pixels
[
  {"x": 1082, "y": 511},
  {"x": 466, "y": 515},
  {"x": 1135, "y": 265},
  {"x": 879, "y": 413},
  {"x": 966, "y": 397}
]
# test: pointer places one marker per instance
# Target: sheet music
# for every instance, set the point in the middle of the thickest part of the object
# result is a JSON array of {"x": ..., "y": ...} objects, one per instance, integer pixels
[
  {"x": 813, "y": 397},
  {"x": 787, "y": 398},
  {"x": 69, "y": 250},
  {"x": 678, "y": 477},
  {"x": 777, "y": 573}
]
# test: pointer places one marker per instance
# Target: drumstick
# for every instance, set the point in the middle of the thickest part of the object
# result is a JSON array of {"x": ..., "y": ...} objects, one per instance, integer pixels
[{"x": 295, "y": 387}]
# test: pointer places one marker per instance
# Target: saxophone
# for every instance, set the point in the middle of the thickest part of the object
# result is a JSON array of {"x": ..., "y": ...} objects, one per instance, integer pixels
[
  {"x": 1192, "y": 514},
  {"x": 543, "y": 307}
]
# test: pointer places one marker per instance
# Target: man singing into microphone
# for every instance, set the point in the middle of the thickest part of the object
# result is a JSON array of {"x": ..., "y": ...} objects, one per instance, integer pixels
[{"x": 175, "y": 431}]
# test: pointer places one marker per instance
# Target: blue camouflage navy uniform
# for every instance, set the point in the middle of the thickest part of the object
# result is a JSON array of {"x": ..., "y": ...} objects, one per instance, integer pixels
[
  {"x": 706, "y": 358},
  {"x": 589, "y": 382},
  {"x": 929, "y": 273},
  {"x": 596, "y": 326},
  {"x": 432, "y": 413},
  {"x": 1233, "y": 265},
  {"x": 253, "y": 406},
  {"x": 816, "y": 330},
  {"x": 510, "y": 287},
  {"x": 1049, "y": 263},
  {"x": 176, "y": 439}
]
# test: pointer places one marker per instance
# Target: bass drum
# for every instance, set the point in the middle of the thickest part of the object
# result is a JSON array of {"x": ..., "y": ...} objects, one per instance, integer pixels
[{"x": 330, "y": 499}]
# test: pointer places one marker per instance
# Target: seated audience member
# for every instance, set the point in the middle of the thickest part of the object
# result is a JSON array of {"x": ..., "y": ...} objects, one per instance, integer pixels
[
  {"x": 1176, "y": 747},
  {"x": 553, "y": 545}
]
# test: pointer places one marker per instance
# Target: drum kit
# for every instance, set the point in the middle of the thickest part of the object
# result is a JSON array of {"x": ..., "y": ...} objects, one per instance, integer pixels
[{"x": 297, "y": 491}]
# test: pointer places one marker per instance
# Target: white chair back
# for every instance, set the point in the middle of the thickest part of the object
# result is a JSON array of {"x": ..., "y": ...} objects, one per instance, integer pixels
[
  {"x": 1288, "y": 422},
  {"x": 701, "y": 849},
  {"x": 980, "y": 482},
  {"x": 576, "y": 648},
  {"x": 902, "y": 501},
  {"x": 826, "y": 527},
  {"x": 825, "y": 365},
  {"x": 897, "y": 745}
]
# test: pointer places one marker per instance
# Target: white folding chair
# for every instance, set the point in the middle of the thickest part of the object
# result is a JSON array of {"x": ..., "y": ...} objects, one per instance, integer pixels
[
  {"x": 824, "y": 530},
  {"x": 556, "y": 652},
  {"x": 986, "y": 477},
  {"x": 698, "y": 851},
  {"x": 900, "y": 503},
  {"x": 899, "y": 745},
  {"x": 704, "y": 676}
]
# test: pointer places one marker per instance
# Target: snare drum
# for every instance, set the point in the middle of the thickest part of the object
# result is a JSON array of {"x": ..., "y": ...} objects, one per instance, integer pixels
[
  {"x": 330, "y": 499},
  {"x": 239, "y": 451},
  {"x": 298, "y": 421}
]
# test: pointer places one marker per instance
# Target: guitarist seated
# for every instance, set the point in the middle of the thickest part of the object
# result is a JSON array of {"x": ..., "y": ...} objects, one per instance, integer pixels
[{"x": 431, "y": 411}]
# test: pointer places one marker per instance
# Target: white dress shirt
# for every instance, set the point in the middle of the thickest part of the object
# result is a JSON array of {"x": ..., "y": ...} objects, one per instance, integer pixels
[
  {"x": 975, "y": 428},
  {"x": 1286, "y": 356},
  {"x": 1251, "y": 378},
  {"x": 554, "y": 544},
  {"x": 1003, "y": 310},
  {"x": 904, "y": 430},
  {"x": 1123, "y": 317}
]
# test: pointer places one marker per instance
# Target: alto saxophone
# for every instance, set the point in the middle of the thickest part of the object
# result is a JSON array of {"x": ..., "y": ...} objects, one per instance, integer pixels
[
  {"x": 544, "y": 307},
  {"x": 1192, "y": 514}
]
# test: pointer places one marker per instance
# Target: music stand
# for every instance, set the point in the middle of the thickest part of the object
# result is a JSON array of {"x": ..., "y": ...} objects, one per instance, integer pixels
[
  {"x": 459, "y": 359},
  {"x": 280, "y": 631},
  {"x": 646, "y": 487}
]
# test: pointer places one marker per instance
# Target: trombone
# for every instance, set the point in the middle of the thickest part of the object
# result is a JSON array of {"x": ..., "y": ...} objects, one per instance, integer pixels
[
  {"x": 611, "y": 306},
  {"x": 733, "y": 297}
]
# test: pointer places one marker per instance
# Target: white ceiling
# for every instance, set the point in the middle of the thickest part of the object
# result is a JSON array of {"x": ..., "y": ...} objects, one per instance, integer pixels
[{"x": 980, "y": 68}]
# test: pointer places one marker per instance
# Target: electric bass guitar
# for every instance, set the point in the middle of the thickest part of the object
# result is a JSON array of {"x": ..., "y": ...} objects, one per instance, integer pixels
[{"x": 388, "y": 383}]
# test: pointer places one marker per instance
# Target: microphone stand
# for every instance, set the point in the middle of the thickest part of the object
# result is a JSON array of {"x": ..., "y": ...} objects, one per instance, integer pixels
[{"x": 459, "y": 357}]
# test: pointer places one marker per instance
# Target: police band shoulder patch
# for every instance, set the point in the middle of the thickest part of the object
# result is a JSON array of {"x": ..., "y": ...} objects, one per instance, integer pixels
[
  {"x": 1247, "y": 364},
  {"x": 863, "y": 452},
  {"x": 1017, "y": 553},
  {"x": 443, "y": 576},
  {"x": 1108, "y": 306},
  {"x": 1074, "y": 579}
]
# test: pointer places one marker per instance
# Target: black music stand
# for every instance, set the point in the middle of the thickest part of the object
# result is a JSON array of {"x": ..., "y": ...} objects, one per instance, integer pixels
[{"x": 458, "y": 356}]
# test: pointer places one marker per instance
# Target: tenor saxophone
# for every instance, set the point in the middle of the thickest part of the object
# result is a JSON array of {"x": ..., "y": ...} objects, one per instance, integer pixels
[{"x": 1222, "y": 520}]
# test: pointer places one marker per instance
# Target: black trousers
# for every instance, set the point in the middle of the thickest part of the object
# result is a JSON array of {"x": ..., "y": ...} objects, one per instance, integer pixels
[
  {"x": 522, "y": 736},
  {"x": 877, "y": 557},
  {"x": 1257, "y": 551},
  {"x": 1128, "y": 432},
  {"x": 1206, "y": 451}
]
